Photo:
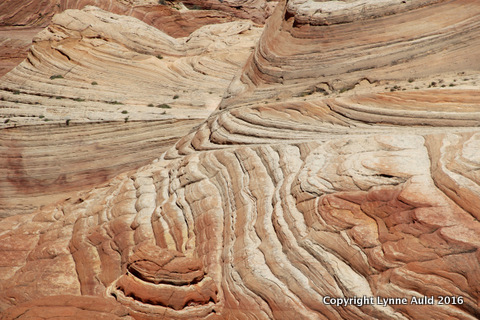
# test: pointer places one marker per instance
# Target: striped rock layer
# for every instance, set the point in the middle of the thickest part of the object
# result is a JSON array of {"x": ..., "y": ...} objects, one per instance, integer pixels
[
  {"x": 270, "y": 208},
  {"x": 19, "y": 22},
  {"x": 263, "y": 212},
  {"x": 102, "y": 94},
  {"x": 338, "y": 44}
]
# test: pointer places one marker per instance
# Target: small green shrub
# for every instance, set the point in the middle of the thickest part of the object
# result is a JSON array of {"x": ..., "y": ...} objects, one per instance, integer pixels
[
  {"x": 345, "y": 89},
  {"x": 16, "y": 92},
  {"x": 176, "y": 96},
  {"x": 79, "y": 99},
  {"x": 6, "y": 121},
  {"x": 306, "y": 93},
  {"x": 67, "y": 122},
  {"x": 410, "y": 80},
  {"x": 150, "y": 105},
  {"x": 94, "y": 83},
  {"x": 58, "y": 97},
  {"x": 164, "y": 106},
  {"x": 41, "y": 116},
  {"x": 124, "y": 111},
  {"x": 159, "y": 56},
  {"x": 114, "y": 102},
  {"x": 56, "y": 76},
  {"x": 126, "y": 119}
]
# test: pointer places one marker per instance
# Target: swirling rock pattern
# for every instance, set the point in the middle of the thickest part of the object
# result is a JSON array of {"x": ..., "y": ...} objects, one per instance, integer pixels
[
  {"x": 92, "y": 65},
  {"x": 19, "y": 22},
  {"x": 92, "y": 77},
  {"x": 226, "y": 225},
  {"x": 269, "y": 207},
  {"x": 338, "y": 44},
  {"x": 44, "y": 164},
  {"x": 168, "y": 18}
]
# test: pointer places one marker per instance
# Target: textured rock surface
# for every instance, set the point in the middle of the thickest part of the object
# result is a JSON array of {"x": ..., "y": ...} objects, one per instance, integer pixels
[
  {"x": 270, "y": 206},
  {"x": 44, "y": 164},
  {"x": 270, "y": 225},
  {"x": 92, "y": 66},
  {"x": 410, "y": 40},
  {"x": 168, "y": 17},
  {"x": 21, "y": 20},
  {"x": 14, "y": 45}
]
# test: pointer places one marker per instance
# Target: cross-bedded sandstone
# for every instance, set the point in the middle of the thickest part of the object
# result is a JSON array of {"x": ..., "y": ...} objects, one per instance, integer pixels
[{"x": 272, "y": 207}]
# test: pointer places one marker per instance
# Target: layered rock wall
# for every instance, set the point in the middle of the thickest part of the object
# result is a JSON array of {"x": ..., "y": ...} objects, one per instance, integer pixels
[
  {"x": 96, "y": 84},
  {"x": 336, "y": 49},
  {"x": 294, "y": 195}
]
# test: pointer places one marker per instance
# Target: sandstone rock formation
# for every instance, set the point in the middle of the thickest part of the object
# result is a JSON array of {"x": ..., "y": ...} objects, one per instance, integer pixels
[
  {"x": 342, "y": 43},
  {"x": 19, "y": 22},
  {"x": 109, "y": 76},
  {"x": 92, "y": 65},
  {"x": 291, "y": 193},
  {"x": 168, "y": 18},
  {"x": 44, "y": 164},
  {"x": 14, "y": 45}
]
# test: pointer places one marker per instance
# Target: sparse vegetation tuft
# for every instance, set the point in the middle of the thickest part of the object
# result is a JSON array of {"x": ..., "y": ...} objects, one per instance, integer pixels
[
  {"x": 94, "y": 83},
  {"x": 56, "y": 76},
  {"x": 150, "y": 105},
  {"x": 114, "y": 102},
  {"x": 124, "y": 111},
  {"x": 164, "y": 106},
  {"x": 306, "y": 93},
  {"x": 176, "y": 96},
  {"x": 410, "y": 80},
  {"x": 16, "y": 92},
  {"x": 159, "y": 56},
  {"x": 6, "y": 121}
]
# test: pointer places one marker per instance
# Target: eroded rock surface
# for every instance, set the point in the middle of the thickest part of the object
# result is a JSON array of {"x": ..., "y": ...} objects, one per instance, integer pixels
[
  {"x": 19, "y": 22},
  {"x": 337, "y": 45},
  {"x": 270, "y": 206},
  {"x": 92, "y": 65},
  {"x": 93, "y": 77}
]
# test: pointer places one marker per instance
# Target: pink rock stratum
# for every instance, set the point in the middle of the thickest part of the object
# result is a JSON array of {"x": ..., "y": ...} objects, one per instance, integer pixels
[{"x": 337, "y": 179}]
